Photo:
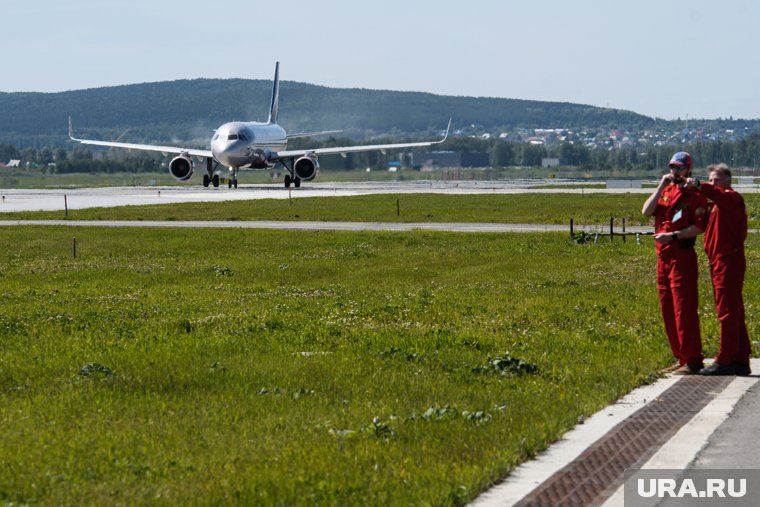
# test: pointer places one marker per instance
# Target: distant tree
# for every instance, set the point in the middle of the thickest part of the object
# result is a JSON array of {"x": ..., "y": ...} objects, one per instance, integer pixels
[
  {"x": 45, "y": 156},
  {"x": 29, "y": 156},
  {"x": 532, "y": 154},
  {"x": 502, "y": 154},
  {"x": 9, "y": 152},
  {"x": 81, "y": 154},
  {"x": 567, "y": 154},
  {"x": 60, "y": 154}
]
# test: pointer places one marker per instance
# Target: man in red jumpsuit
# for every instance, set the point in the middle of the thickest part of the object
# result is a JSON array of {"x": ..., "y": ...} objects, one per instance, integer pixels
[
  {"x": 680, "y": 215},
  {"x": 724, "y": 245}
]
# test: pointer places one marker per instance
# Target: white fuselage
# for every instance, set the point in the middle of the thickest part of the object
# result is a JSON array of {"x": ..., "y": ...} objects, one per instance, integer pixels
[{"x": 247, "y": 144}]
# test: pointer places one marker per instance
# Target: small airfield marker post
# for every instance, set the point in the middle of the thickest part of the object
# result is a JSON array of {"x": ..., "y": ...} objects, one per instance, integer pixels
[
  {"x": 611, "y": 231},
  {"x": 623, "y": 230}
]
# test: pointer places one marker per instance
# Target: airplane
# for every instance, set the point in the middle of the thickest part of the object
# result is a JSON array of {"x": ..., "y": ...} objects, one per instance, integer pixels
[{"x": 252, "y": 145}]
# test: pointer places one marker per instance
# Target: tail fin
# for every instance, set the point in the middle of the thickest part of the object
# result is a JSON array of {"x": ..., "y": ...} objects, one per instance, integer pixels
[{"x": 274, "y": 108}]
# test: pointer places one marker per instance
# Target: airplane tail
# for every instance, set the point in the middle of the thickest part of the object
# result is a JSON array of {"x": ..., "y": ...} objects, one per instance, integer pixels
[{"x": 274, "y": 108}]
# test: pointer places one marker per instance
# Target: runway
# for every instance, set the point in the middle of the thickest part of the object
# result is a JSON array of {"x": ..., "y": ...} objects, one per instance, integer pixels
[
  {"x": 13, "y": 200},
  {"x": 80, "y": 198}
]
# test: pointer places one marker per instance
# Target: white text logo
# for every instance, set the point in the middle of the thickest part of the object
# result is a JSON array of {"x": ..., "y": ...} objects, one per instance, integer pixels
[{"x": 714, "y": 488}]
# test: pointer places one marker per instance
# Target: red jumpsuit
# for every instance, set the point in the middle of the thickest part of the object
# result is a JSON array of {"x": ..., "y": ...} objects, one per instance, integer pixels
[
  {"x": 677, "y": 271},
  {"x": 724, "y": 246}
]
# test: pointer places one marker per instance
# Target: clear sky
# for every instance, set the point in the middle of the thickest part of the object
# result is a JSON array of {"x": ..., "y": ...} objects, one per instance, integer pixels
[{"x": 665, "y": 58}]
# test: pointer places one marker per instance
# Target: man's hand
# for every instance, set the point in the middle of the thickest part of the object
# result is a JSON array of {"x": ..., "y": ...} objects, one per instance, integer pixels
[
  {"x": 693, "y": 183},
  {"x": 667, "y": 179},
  {"x": 663, "y": 238}
]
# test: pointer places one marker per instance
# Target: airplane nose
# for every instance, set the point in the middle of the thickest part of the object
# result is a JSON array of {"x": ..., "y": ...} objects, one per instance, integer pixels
[{"x": 223, "y": 154}]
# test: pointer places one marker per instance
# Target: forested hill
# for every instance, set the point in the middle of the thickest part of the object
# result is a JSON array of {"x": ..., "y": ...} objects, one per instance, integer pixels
[{"x": 187, "y": 110}]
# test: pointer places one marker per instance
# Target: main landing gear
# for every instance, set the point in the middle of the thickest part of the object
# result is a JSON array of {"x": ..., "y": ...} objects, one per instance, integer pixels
[
  {"x": 213, "y": 179},
  {"x": 290, "y": 177},
  {"x": 295, "y": 181}
]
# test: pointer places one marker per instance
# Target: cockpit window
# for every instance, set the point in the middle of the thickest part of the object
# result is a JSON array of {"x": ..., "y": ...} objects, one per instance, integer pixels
[
  {"x": 232, "y": 137},
  {"x": 216, "y": 136}
]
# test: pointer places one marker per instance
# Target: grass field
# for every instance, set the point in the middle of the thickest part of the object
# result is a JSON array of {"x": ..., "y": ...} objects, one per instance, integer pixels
[
  {"x": 21, "y": 179},
  {"x": 279, "y": 368},
  {"x": 585, "y": 209}
]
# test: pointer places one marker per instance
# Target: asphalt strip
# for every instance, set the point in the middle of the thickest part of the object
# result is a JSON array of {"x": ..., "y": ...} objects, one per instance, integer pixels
[
  {"x": 681, "y": 450},
  {"x": 677, "y": 452}
]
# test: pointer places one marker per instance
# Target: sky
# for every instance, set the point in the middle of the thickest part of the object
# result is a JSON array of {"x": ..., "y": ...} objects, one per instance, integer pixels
[{"x": 667, "y": 58}]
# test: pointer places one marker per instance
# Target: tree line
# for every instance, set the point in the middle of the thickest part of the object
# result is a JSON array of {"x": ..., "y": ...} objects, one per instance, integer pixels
[
  {"x": 189, "y": 109},
  {"x": 501, "y": 153}
]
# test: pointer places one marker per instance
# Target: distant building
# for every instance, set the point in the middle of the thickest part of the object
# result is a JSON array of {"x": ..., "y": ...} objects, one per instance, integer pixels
[
  {"x": 549, "y": 162},
  {"x": 475, "y": 160},
  {"x": 437, "y": 159},
  {"x": 14, "y": 163}
]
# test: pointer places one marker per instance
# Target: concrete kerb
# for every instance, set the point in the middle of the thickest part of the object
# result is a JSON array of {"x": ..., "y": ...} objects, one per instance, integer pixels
[{"x": 686, "y": 443}]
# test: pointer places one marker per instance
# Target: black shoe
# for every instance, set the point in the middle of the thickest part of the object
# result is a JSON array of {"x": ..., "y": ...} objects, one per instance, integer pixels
[
  {"x": 718, "y": 369},
  {"x": 742, "y": 370}
]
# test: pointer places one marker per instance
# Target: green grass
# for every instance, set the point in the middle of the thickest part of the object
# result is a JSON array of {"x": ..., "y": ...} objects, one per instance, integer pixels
[
  {"x": 586, "y": 209},
  {"x": 279, "y": 368},
  {"x": 22, "y": 179},
  {"x": 499, "y": 208}
]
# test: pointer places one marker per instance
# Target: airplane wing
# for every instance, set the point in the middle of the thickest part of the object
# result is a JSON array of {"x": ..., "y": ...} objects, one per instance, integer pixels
[
  {"x": 343, "y": 150},
  {"x": 144, "y": 147},
  {"x": 311, "y": 134}
]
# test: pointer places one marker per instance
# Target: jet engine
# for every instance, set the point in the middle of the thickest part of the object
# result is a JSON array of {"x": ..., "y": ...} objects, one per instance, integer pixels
[
  {"x": 306, "y": 168},
  {"x": 181, "y": 167}
]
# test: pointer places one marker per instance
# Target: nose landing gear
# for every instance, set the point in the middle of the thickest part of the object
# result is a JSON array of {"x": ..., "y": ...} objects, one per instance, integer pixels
[{"x": 215, "y": 180}]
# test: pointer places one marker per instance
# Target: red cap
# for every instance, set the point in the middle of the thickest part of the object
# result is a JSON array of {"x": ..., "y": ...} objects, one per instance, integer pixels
[{"x": 681, "y": 159}]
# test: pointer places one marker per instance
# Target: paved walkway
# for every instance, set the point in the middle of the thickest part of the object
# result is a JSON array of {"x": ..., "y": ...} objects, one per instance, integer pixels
[{"x": 678, "y": 423}]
